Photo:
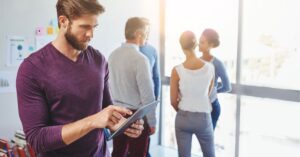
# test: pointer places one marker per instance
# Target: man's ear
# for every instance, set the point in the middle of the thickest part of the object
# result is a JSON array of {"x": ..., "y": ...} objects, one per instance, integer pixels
[
  {"x": 63, "y": 21},
  {"x": 137, "y": 34}
]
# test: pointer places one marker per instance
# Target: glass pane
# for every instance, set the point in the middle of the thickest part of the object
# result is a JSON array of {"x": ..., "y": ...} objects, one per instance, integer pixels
[
  {"x": 269, "y": 128},
  {"x": 271, "y": 43},
  {"x": 225, "y": 129},
  {"x": 168, "y": 124},
  {"x": 224, "y": 133},
  {"x": 196, "y": 15}
]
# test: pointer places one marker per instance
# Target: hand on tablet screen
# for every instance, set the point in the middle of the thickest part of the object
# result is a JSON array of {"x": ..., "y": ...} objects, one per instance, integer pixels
[
  {"x": 135, "y": 129},
  {"x": 116, "y": 126}
]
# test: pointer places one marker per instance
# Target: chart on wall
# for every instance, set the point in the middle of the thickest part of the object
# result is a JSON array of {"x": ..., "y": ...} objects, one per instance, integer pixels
[{"x": 17, "y": 50}]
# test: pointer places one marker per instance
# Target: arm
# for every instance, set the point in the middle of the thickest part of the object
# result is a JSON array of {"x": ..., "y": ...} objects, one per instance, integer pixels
[
  {"x": 211, "y": 86},
  {"x": 174, "y": 89},
  {"x": 31, "y": 99},
  {"x": 107, "y": 99},
  {"x": 108, "y": 117},
  {"x": 225, "y": 85},
  {"x": 41, "y": 136},
  {"x": 156, "y": 77}
]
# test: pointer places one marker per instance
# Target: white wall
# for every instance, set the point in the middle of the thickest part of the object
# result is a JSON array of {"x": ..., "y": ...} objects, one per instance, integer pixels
[{"x": 21, "y": 17}]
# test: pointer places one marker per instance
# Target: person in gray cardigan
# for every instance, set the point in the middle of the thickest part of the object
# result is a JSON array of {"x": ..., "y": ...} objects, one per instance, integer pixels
[{"x": 132, "y": 86}]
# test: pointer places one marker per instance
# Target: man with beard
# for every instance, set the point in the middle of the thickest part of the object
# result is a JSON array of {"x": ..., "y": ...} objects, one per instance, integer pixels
[{"x": 63, "y": 94}]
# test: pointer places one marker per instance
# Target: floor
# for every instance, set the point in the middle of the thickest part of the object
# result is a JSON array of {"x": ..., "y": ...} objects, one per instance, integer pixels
[{"x": 160, "y": 151}]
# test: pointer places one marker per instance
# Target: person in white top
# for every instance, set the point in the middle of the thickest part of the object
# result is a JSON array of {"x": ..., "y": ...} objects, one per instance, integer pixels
[{"x": 190, "y": 87}]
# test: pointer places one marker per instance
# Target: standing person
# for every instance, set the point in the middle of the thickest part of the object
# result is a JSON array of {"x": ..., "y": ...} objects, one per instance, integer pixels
[
  {"x": 62, "y": 89},
  {"x": 131, "y": 85},
  {"x": 150, "y": 52},
  {"x": 208, "y": 40},
  {"x": 190, "y": 86}
]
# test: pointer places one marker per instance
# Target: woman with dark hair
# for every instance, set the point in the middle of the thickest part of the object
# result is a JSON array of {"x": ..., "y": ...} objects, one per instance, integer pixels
[
  {"x": 209, "y": 40},
  {"x": 190, "y": 87}
]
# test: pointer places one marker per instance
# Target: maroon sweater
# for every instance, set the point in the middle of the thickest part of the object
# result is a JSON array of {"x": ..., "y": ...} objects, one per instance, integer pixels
[{"x": 52, "y": 91}]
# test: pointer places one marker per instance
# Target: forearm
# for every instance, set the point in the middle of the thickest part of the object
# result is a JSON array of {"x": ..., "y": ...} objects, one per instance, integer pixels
[
  {"x": 175, "y": 108},
  {"x": 44, "y": 139},
  {"x": 74, "y": 131},
  {"x": 224, "y": 87},
  {"x": 175, "y": 105}
]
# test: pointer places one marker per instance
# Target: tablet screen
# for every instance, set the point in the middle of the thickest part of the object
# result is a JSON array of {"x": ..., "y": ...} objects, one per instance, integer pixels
[{"x": 139, "y": 114}]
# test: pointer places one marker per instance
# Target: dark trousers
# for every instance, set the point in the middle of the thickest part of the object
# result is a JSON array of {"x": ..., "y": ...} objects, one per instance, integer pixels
[
  {"x": 216, "y": 111},
  {"x": 137, "y": 147},
  {"x": 148, "y": 153}
]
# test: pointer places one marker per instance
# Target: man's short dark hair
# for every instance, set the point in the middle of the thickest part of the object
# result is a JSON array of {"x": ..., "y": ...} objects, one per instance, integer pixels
[{"x": 76, "y": 8}]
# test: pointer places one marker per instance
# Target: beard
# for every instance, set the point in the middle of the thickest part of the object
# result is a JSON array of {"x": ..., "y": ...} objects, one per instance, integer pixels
[{"x": 73, "y": 41}]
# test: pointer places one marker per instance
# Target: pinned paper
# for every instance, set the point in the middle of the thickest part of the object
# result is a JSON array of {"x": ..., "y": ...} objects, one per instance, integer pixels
[
  {"x": 40, "y": 31},
  {"x": 50, "y": 30}
]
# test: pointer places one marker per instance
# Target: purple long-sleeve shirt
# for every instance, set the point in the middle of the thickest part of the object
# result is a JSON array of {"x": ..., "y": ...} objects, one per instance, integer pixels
[{"x": 53, "y": 90}]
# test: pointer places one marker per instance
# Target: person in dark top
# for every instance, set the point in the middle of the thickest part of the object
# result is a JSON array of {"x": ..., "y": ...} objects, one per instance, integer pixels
[{"x": 63, "y": 93}]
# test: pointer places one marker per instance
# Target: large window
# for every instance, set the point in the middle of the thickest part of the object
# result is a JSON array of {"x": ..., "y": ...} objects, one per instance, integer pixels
[
  {"x": 271, "y": 43},
  {"x": 269, "y": 128},
  {"x": 260, "y": 47},
  {"x": 196, "y": 15}
]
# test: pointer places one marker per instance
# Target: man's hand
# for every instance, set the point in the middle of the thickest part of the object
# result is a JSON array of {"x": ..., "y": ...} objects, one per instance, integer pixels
[
  {"x": 110, "y": 116},
  {"x": 152, "y": 130},
  {"x": 136, "y": 129},
  {"x": 114, "y": 127}
]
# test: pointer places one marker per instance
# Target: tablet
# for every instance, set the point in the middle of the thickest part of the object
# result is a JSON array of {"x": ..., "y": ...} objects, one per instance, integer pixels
[{"x": 139, "y": 114}]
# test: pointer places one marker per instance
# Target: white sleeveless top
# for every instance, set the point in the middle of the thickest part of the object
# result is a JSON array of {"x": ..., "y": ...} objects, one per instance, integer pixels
[{"x": 194, "y": 87}]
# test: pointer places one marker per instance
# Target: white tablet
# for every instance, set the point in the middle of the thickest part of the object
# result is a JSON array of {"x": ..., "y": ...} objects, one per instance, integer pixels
[{"x": 139, "y": 114}]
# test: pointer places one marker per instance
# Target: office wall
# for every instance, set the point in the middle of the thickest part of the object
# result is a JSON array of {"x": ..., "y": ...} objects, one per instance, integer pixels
[{"x": 21, "y": 17}]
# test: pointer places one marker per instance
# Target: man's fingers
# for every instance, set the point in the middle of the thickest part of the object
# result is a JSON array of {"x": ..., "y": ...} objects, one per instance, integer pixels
[
  {"x": 114, "y": 119},
  {"x": 137, "y": 126},
  {"x": 133, "y": 132},
  {"x": 139, "y": 122},
  {"x": 122, "y": 110}
]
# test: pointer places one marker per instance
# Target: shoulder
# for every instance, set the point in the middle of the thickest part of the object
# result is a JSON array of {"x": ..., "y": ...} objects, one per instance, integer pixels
[
  {"x": 177, "y": 68},
  {"x": 41, "y": 55},
  {"x": 140, "y": 58},
  {"x": 96, "y": 54},
  {"x": 210, "y": 68},
  {"x": 148, "y": 49},
  {"x": 217, "y": 62},
  {"x": 37, "y": 61}
]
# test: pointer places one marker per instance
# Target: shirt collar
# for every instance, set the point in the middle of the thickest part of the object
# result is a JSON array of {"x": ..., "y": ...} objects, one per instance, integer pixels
[{"x": 131, "y": 45}]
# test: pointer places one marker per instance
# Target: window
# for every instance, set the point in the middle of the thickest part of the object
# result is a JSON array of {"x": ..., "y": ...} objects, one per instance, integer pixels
[
  {"x": 196, "y": 15},
  {"x": 269, "y": 127},
  {"x": 271, "y": 43}
]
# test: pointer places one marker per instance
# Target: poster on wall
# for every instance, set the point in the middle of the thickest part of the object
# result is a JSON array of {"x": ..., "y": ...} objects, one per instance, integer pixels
[
  {"x": 16, "y": 50},
  {"x": 8, "y": 81}
]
